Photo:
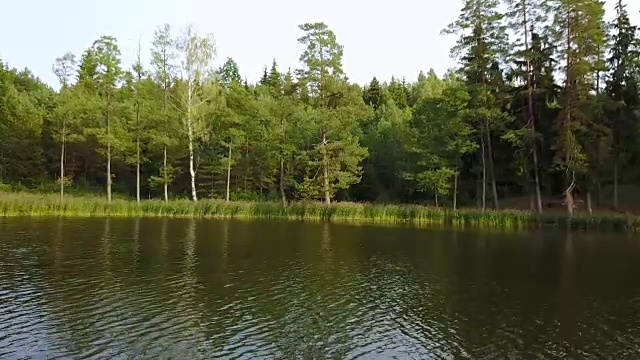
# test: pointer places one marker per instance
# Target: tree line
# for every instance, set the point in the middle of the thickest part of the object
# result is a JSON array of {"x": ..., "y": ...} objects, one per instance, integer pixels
[{"x": 544, "y": 107}]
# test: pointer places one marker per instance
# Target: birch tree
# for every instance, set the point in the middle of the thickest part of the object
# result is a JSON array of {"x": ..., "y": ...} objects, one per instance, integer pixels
[
  {"x": 196, "y": 55},
  {"x": 64, "y": 68}
]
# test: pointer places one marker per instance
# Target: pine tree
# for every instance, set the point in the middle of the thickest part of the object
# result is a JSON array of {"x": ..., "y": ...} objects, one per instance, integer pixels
[
  {"x": 336, "y": 111},
  {"x": 163, "y": 57},
  {"x": 139, "y": 100},
  {"x": 107, "y": 77},
  {"x": 579, "y": 34}
]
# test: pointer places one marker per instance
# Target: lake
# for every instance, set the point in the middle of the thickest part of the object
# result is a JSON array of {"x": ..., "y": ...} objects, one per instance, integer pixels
[{"x": 179, "y": 288}]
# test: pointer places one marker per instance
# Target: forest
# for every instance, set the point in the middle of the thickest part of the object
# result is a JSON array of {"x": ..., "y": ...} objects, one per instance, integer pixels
[{"x": 541, "y": 112}]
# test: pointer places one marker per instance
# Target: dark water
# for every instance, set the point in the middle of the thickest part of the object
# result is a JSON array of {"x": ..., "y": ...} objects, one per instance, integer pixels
[{"x": 190, "y": 289}]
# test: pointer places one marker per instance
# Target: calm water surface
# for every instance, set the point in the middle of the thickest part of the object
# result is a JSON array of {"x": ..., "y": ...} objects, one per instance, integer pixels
[{"x": 189, "y": 289}]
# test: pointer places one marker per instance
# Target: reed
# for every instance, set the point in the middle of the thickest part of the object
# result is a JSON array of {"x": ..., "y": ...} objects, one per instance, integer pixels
[{"x": 30, "y": 204}]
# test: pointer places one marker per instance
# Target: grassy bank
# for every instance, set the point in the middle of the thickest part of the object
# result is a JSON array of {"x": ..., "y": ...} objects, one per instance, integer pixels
[{"x": 28, "y": 204}]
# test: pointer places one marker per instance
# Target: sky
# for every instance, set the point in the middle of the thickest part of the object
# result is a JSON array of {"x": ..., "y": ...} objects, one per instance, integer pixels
[{"x": 380, "y": 38}]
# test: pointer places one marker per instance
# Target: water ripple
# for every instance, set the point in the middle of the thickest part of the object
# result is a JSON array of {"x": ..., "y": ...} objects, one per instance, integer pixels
[{"x": 123, "y": 289}]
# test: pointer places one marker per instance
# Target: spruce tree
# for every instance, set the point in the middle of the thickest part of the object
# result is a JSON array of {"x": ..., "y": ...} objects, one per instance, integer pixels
[
  {"x": 622, "y": 89},
  {"x": 482, "y": 44},
  {"x": 229, "y": 73},
  {"x": 526, "y": 17}
]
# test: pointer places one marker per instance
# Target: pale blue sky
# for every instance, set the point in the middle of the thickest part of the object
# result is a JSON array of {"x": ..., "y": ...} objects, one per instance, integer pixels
[{"x": 381, "y": 38}]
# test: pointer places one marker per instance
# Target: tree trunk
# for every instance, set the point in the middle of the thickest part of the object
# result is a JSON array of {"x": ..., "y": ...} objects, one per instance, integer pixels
[
  {"x": 229, "y": 172},
  {"x": 532, "y": 206},
  {"x": 325, "y": 165},
  {"x": 478, "y": 190},
  {"x": 589, "y": 208},
  {"x": 213, "y": 182},
  {"x": 165, "y": 89},
  {"x": 615, "y": 183},
  {"x": 494, "y": 189},
  {"x": 531, "y": 116},
  {"x": 568, "y": 196},
  {"x": 536, "y": 177},
  {"x": 598, "y": 192},
  {"x": 325, "y": 160},
  {"x": 247, "y": 166},
  {"x": 455, "y": 191},
  {"x": 138, "y": 153},
  {"x": 62, "y": 153},
  {"x": 166, "y": 178},
  {"x": 192, "y": 170},
  {"x": 138, "y": 170},
  {"x": 282, "y": 194},
  {"x": 283, "y": 140},
  {"x": 484, "y": 171},
  {"x": 108, "y": 151},
  {"x": 435, "y": 191},
  {"x": 109, "y": 171}
]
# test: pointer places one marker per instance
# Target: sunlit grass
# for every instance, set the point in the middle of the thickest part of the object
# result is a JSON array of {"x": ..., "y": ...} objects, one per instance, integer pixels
[{"x": 30, "y": 204}]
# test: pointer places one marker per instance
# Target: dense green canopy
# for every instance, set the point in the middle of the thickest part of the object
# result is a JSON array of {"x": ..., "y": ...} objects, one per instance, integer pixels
[{"x": 542, "y": 110}]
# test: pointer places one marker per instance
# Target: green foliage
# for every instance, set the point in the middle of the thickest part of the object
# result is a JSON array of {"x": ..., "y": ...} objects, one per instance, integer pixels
[
  {"x": 579, "y": 31},
  {"x": 441, "y": 136},
  {"x": 191, "y": 130},
  {"x": 335, "y": 160},
  {"x": 21, "y": 124},
  {"x": 623, "y": 83}
]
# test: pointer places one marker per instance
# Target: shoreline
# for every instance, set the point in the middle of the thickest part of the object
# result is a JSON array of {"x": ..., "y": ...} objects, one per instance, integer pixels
[{"x": 48, "y": 205}]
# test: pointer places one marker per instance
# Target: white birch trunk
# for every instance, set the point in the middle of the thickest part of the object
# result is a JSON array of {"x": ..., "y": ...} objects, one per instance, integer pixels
[
  {"x": 192, "y": 170},
  {"x": 229, "y": 173}
]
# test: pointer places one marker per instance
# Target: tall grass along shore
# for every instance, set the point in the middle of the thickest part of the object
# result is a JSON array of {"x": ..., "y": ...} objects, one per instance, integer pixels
[{"x": 29, "y": 204}]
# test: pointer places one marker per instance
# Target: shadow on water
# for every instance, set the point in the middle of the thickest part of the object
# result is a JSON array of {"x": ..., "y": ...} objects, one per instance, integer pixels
[{"x": 103, "y": 288}]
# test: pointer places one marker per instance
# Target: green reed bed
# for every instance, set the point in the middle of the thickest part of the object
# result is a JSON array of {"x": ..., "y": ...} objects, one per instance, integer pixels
[{"x": 29, "y": 204}]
